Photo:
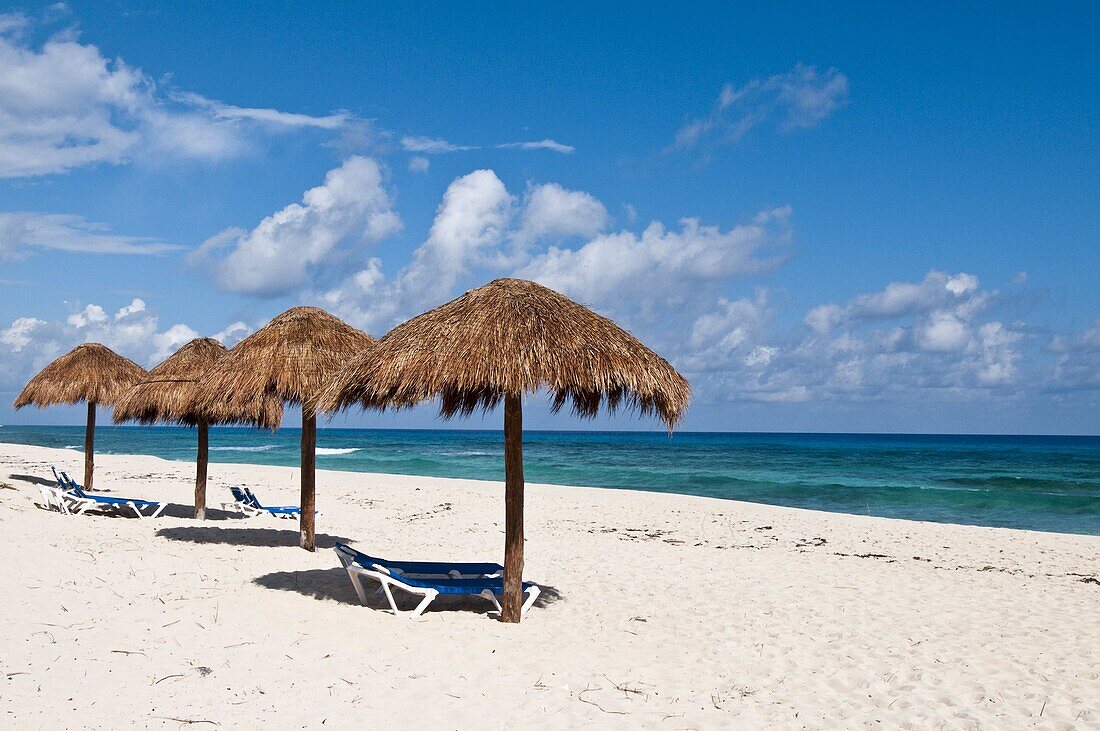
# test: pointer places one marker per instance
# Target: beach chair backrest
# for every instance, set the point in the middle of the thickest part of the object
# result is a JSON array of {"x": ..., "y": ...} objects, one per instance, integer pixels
[
  {"x": 251, "y": 498},
  {"x": 372, "y": 563},
  {"x": 71, "y": 485},
  {"x": 239, "y": 496}
]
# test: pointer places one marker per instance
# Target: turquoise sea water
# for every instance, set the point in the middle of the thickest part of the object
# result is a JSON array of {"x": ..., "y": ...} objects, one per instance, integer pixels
[{"x": 1039, "y": 483}]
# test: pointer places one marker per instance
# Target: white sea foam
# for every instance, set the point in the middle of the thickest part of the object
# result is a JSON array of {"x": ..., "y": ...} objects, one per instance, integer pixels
[
  {"x": 334, "y": 451},
  {"x": 234, "y": 448}
]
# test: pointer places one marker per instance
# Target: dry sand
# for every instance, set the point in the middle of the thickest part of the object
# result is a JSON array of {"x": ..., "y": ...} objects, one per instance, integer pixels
[{"x": 661, "y": 611}]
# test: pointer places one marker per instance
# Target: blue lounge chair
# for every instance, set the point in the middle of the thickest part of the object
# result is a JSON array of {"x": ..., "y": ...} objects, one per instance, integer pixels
[
  {"x": 81, "y": 501},
  {"x": 56, "y": 497},
  {"x": 427, "y": 579},
  {"x": 62, "y": 484},
  {"x": 454, "y": 570},
  {"x": 244, "y": 501}
]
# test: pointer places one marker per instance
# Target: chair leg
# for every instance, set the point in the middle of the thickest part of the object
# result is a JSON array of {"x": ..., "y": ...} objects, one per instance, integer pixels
[
  {"x": 532, "y": 595},
  {"x": 389, "y": 596},
  {"x": 429, "y": 597},
  {"x": 357, "y": 582},
  {"x": 488, "y": 594},
  {"x": 428, "y": 594}
]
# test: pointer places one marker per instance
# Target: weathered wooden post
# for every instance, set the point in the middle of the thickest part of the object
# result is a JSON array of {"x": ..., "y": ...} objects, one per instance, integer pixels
[
  {"x": 200, "y": 471},
  {"x": 513, "y": 509},
  {"x": 89, "y": 447},
  {"x": 307, "y": 539}
]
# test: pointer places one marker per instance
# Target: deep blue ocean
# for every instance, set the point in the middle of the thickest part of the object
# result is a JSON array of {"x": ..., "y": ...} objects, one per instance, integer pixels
[{"x": 1039, "y": 483}]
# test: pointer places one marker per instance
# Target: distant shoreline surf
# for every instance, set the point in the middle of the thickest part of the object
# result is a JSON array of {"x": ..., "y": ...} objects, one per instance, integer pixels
[{"x": 1037, "y": 483}]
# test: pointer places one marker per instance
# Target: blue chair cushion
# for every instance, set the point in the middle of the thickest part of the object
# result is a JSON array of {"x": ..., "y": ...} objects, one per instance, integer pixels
[{"x": 421, "y": 567}]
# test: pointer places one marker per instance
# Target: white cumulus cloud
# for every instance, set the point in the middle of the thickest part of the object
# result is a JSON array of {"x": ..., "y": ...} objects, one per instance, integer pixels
[
  {"x": 132, "y": 330},
  {"x": 559, "y": 237},
  {"x": 662, "y": 268},
  {"x": 467, "y": 232},
  {"x": 551, "y": 212},
  {"x": 351, "y": 207}
]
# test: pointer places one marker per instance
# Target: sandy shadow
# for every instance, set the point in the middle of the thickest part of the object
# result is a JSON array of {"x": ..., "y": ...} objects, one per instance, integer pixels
[
  {"x": 245, "y": 536},
  {"x": 326, "y": 584},
  {"x": 33, "y": 480},
  {"x": 334, "y": 585},
  {"x": 179, "y": 510}
]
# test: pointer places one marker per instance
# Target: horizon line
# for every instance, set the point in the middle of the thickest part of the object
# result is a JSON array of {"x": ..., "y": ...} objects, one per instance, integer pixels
[{"x": 572, "y": 431}]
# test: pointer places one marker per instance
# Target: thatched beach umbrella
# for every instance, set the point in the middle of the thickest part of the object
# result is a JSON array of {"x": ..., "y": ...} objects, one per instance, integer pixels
[
  {"x": 288, "y": 360},
  {"x": 499, "y": 342},
  {"x": 90, "y": 372},
  {"x": 167, "y": 394}
]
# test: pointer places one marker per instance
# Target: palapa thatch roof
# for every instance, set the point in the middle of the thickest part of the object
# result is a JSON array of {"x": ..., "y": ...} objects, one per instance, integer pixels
[
  {"x": 168, "y": 392},
  {"x": 289, "y": 360},
  {"x": 511, "y": 336},
  {"x": 90, "y": 372}
]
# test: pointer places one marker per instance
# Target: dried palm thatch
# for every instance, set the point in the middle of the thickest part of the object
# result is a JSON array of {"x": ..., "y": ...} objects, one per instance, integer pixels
[
  {"x": 289, "y": 360},
  {"x": 167, "y": 393},
  {"x": 90, "y": 372},
  {"x": 499, "y": 342},
  {"x": 511, "y": 337}
]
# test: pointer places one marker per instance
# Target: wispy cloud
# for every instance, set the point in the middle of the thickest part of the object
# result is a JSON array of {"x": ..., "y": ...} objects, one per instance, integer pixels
[
  {"x": 13, "y": 23},
  {"x": 431, "y": 145},
  {"x": 64, "y": 105},
  {"x": 1077, "y": 366},
  {"x": 274, "y": 117},
  {"x": 546, "y": 144},
  {"x": 21, "y": 232},
  {"x": 434, "y": 145},
  {"x": 798, "y": 99}
]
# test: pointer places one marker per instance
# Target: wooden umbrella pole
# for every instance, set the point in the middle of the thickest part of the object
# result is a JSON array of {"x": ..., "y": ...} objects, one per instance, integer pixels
[
  {"x": 89, "y": 447},
  {"x": 513, "y": 509},
  {"x": 200, "y": 471},
  {"x": 309, "y": 475}
]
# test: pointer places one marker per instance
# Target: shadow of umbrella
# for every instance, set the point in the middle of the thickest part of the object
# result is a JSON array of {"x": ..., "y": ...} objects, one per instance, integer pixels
[
  {"x": 324, "y": 584},
  {"x": 177, "y": 510},
  {"x": 244, "y": 536},
  {"x": 333, "y": 585},
  {"x": 33, "y": 480}
]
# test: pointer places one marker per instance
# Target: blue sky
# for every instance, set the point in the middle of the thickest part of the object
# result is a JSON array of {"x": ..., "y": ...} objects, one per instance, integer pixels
[{"x": 874, "y": 218}]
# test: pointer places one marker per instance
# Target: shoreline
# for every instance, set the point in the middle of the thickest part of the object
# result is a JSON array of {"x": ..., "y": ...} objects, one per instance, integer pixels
[
  {"x": 436, "y": 481},
  {"x": 1035, "y": 483},
  {"x": 708, "y": 612}
]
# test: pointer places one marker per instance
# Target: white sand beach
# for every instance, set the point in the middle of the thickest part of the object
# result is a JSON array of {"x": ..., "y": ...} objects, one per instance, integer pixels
[{"x": 660, "y": 611}]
